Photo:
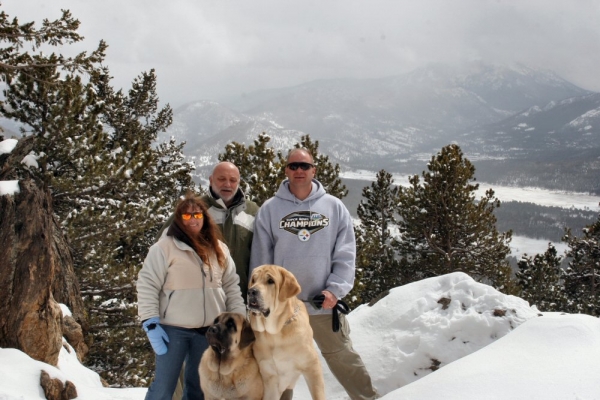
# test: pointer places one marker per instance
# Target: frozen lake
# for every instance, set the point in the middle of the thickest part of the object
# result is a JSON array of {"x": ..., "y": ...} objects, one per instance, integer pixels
[{"x": 543, "y": 197}]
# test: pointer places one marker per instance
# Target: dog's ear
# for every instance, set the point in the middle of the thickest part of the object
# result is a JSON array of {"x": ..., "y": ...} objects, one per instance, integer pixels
[
  {"x": 289, "y": 285},
  {"x": 247, "y": 337}
]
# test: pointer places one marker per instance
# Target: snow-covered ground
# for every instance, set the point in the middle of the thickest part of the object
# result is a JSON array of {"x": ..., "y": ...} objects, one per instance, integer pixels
[{"x": 484, "y": 345}]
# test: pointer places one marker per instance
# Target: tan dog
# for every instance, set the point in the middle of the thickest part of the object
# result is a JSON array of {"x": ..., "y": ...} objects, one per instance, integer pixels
[
  {"x": 284, "y": 345},
  {"x": 228, "y": 369}
]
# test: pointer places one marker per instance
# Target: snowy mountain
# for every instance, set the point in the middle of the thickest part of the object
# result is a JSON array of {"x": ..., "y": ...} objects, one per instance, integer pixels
[
  {"x": 199, "y": 120},
  {"x": 556, "y": 146},
  {"x": 516, "y": 88},
  {"x": 572, "y": 124},
  {"x": 397, "y": 123}
]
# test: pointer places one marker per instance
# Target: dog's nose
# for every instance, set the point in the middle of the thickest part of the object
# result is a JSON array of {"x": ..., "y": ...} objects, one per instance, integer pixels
[
  {"x": 252, "y": 292},
  {"x": 212, "y": 329}
]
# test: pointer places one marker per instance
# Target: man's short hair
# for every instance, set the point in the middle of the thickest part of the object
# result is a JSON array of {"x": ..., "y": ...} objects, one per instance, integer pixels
[{"x": 295, "y": 149}]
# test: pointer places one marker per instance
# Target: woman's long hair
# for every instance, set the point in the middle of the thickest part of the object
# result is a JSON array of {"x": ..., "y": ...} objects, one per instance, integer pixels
[{"x": 207, "y": 241}]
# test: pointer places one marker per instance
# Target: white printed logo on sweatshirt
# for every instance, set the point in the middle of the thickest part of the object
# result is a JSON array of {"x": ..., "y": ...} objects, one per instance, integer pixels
[{"x": 304, "y": 224}]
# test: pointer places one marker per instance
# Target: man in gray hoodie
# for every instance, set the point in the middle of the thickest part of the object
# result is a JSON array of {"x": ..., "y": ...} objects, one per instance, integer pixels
[{"x": 310, "y": 233}]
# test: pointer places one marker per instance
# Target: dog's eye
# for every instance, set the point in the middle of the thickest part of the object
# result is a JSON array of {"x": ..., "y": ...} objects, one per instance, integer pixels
[
  {"x": 270, "y": 281},
  {"x": 231, "y": 324}
]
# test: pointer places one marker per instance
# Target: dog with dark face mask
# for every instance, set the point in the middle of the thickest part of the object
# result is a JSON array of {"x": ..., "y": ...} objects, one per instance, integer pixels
[{"x": 228, "y": 369}]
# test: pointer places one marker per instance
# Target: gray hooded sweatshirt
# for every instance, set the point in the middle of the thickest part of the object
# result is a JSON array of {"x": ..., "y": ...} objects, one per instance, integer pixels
[{"x": 312, "y": 238}]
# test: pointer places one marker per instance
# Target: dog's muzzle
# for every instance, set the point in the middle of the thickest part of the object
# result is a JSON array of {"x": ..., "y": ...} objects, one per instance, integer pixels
[
  {"x": 255, "y": 303},
  {"x": 215, "y": 339}
]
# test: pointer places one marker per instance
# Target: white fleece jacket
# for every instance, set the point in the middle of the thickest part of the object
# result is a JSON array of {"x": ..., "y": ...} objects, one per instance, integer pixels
[{"x": 177, "y": 286}]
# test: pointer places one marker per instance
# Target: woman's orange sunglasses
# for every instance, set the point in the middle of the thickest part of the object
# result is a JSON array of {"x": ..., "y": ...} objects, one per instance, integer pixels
[{"x": 187, "y": 216}]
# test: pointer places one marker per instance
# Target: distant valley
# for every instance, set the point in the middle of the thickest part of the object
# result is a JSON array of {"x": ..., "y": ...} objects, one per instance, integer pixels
[
  {"x": 536, "y": 216},
  {"x": 520, "y": 127}
]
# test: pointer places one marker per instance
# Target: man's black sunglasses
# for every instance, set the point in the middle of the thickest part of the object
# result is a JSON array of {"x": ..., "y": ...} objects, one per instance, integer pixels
[{"x": 304, "y": 166}]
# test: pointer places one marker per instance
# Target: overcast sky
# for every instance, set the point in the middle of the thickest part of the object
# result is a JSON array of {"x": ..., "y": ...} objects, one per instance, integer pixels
[{"x": 221, "y": 48}]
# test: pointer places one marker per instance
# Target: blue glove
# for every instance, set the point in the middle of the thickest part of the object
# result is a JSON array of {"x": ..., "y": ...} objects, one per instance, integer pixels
[{"x": 156, "y": 335}]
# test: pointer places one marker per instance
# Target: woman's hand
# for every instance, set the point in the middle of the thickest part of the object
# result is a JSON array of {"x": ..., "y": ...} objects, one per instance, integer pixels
[{"x": 157, "y": 335}]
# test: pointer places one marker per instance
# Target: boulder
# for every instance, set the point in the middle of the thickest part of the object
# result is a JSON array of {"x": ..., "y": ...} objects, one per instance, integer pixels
[{"x": 54, "y": 389}]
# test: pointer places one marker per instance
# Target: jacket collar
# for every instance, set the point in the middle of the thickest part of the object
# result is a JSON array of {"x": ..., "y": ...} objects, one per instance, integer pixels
[
  {"x": 178, "y": 233},
  {"x": 238, "y": 198}
]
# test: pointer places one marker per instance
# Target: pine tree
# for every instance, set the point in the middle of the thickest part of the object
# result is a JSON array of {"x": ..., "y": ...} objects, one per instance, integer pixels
[
  {"x": 582, "y": 277},
  {"x": 375, "y": 257},
  {"x": 259, "y": 172},
  {"x": 539, "y": 279},
  {"x": 111, "y": 186},
  {"x": 63, "y": 31},
  {"x": 138, "y": 196},
  {"x": 443, "y": 228}
]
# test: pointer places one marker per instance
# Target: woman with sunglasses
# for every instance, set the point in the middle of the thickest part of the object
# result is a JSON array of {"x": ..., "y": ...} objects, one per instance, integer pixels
[{"x": 187, "y": 280}]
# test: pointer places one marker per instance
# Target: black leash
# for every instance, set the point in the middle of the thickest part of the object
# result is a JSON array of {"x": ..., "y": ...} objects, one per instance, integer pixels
[{"x": 340, "y": 307}]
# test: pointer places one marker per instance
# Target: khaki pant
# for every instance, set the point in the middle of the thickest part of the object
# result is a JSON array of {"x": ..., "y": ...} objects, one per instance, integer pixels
[{"x": 345, "y": 363}]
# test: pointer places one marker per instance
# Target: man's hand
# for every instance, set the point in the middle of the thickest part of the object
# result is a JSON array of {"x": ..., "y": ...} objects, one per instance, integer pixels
[{"x": 330, "y": 300}]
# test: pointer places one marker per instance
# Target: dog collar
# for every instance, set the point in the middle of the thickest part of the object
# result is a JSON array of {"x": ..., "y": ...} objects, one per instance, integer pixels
[{"x": 294, "y": 315}]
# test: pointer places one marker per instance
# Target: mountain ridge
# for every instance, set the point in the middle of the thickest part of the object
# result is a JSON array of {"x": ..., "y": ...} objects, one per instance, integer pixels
[{"x": 396, "y": 122}]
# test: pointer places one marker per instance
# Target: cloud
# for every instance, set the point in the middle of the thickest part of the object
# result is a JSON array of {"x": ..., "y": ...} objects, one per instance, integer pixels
[{"x": 212, "y": 49}]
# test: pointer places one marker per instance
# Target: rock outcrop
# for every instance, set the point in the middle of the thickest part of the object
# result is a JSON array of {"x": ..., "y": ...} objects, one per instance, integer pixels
[
  {"x": 36, "y": 267},
  {"x": 73, "y": 333}
]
